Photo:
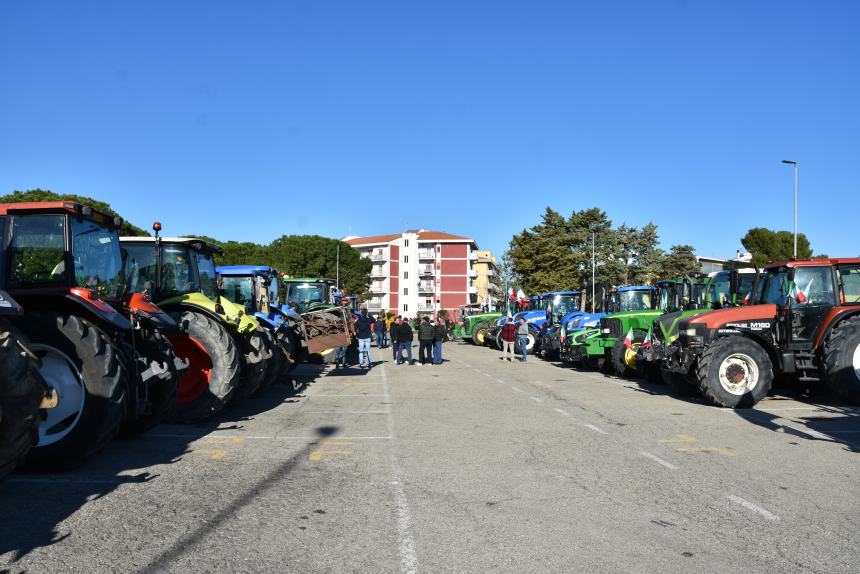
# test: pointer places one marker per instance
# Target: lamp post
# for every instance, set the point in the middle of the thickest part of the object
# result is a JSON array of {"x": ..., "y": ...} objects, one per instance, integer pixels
[{"x": 794, "y": 163}]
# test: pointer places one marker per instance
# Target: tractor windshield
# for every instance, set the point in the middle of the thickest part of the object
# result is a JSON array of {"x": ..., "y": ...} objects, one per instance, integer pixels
[
  {"x": 300, "y": 295},
  {"x": 631, "y": 301},
  {"x": 98, "y": 259},
  {"x": 718, "y": 291},
  {"x": 698, "y": 292},
  {"x": 36, "y": 252},
  {"x": 240, "y": 290},
  {"x": 666, "y": 294},
  {"x": 207, "y": 275},
  {"x": 775, "y": 286},
  {"x": 177, "y": 276},
  {"x": 849, "y": 278},
  {"x": 564, "y": 304}
]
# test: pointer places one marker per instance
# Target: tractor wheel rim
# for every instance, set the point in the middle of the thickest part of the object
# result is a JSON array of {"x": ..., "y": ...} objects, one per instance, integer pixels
[
  {"x": 61, "y": 373},
  {"x": 480, "y": 336},
  {"x": 630, "y": 356},
  {"x": 856, "y": 362},
  {"x": 530, "y": 342},
  {"x": 195, "y": 380},
  {"x": 738, "y": 374}
]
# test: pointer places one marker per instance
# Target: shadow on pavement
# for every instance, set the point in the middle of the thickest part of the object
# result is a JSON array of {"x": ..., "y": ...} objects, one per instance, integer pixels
[{"x": 35, "y": 505}]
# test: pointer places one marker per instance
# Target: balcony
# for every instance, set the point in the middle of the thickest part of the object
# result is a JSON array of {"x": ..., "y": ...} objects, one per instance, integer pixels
[
  {"x": 426, "y": 307},
  {"x": 379, "y": 257},
  {"x": 374, "y": 305},
  {"x": 473, "y": 289},
  {"x": 378, "y": 272},
  {"x": 426, "y": 287},
  {"x": 473, "y": 272},
  {"x": 377, "y": 288},
  {"x": 473, "y": 256},
  {"x": 426, "y": 272},
  {"x": 426, "y": 254}
]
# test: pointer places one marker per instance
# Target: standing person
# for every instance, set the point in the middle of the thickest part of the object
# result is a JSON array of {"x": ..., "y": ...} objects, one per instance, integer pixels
[
  {"x": 395, "y": 342},
  {"x": 425, "y": 341},
  {"x": 340, "y": 357},
  {"x": 404, "y": 336},
  {"x": 439, "y": 334},
  {"x": 523, "y": 336},
  {"x": 363, "y": 333},
  {"x": 379, "y": 331},
  {"x": 509, "y": 335}
]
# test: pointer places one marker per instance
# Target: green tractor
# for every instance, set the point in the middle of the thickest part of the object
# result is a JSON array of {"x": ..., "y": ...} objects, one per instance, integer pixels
[
  {"x": 723, "y": 289},
  {"x": 612, "y": 346},
  {"x": 227, "y": 350},
  {"x": 474, "y": 324}
]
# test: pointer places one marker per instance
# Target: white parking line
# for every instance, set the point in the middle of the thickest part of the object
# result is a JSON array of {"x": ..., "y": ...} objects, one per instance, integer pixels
[
  {"x": 338, "y": 396},
  {"x": 517, "y": 390},
  {"x": 658, "y": 460},
  {"x": 537, "y": 400},
  {"x": 346, "y": 412},
  {"x": 596, "y": 429},
  {"x": 562, "y": 411},
  {"x": 501, "y": 382},
  {"x": 754, "y": 507},
  {"x": 408, "y": 557},
  {"x": 486, "y": 375}
]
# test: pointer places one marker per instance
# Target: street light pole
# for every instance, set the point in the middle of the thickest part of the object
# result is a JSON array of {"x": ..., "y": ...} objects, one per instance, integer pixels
[
  {"x": 794, "y": 163},
  {"x": 593, "y": 288}
]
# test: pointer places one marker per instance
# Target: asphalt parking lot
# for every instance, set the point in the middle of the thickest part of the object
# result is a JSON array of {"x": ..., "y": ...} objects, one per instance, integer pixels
[{"x": 476, "y": 465}]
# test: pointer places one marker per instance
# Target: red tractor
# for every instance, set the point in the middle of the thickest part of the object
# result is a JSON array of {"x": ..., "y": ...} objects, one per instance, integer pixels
[
  {"x": 804, "y": 324},
  {"x": 100, "y": 348}
]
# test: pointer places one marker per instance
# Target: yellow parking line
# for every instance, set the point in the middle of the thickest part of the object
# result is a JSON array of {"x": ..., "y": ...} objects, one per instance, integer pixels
[
  {"x": 682, "y": 438},
  {"x": 334, "y": 442},
  {"x": 233, "y": 440},
  {"x": 318, "y": 454},
  {"x": 716, "y": 449}
]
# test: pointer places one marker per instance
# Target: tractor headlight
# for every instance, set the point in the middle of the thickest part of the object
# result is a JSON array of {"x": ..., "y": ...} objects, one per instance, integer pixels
[
  {"x": 606, "y": 331},
  {"x": 691, "y": 332},
  {"x": 591, "y": 323}
]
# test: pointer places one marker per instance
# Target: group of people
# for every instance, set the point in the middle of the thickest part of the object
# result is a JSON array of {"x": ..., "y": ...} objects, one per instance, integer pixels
[
  {"x": 431, "y": 335},
  {"x": 510, "y": 333}
]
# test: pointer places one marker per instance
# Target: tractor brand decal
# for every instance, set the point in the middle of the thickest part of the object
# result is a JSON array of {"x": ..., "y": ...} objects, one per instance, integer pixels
[{"x": 751, "y": 325}]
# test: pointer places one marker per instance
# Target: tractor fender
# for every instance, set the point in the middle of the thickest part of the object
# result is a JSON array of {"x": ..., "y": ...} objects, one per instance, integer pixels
[
  {"x": 831, "y": 320},
  {"x": 189, "y": 306},
  {"x": 76, "y": 301},
  {"x": 268, "y": 322},
  {"x": 8, "y": 306}
]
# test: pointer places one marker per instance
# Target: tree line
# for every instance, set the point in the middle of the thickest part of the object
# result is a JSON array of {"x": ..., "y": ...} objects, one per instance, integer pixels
[
  {"x": 556, "y": 253},
  {"x": 294, "y": 255}
]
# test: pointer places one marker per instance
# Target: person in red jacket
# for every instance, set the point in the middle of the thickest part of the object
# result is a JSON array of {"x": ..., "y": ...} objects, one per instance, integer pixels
[{"x": 509, "y": 335}]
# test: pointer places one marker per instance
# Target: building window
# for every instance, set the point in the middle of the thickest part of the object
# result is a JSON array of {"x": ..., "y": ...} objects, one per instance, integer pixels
[
  {"x": 406, "y": 290},
  {"x": 406, "y": 259},
  {"x": 438, "y": 248},
  {"x": 405, "y": 307},
  {"x": 406, "y": 274},
  {"x": 405, "y": 243}
]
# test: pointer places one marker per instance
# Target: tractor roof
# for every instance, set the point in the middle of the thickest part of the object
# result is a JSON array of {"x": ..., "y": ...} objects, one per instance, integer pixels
[
  {"x": 243, "y": 270},
  {"x": 70, "y": 207},
  {"x": 814, "y": 262},
  {"x": 561, "y": 293},
  {"x": 195, "y": 243},
  {"x": 307, "y": 280},
  {"x": 634, "y": 288}
]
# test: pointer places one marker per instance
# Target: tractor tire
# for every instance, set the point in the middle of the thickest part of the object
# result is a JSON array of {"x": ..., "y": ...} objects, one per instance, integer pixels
[
  {"x": 276, "y": 362},
  {"x": 21, "y": 391},
  {"x": 593, "y": 363},
  {"x": 842, "y": 360},
  {"x": 156, "y": 362},
  {"x": 287, "y": 341},
  {"x": 734, "y": 372},
  {"x": 499, "y": 343},
  {"x": 619, "y": 364},
  {"x": 256, "y": 356},
  {"x": 83, "y": 366},
  {"x": 679, "y": 384},
  {"x": 213, "y": 371},
  {"x": 480, "y": 333},
  {"x": 651, "y": 371}
]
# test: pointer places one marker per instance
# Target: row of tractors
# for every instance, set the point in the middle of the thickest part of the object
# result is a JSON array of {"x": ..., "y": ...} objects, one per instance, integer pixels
[
  {"x": 728, "y": 336},
  {"x": 103, "y": 335}
]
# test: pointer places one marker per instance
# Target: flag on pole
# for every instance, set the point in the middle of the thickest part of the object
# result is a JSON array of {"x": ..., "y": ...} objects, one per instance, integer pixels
[
  {"x": 800, "y": 295},
  {"x": 628, "y": 340},
  {"x": 647, "y": 342},
  {"x": 521, "y": 295}
]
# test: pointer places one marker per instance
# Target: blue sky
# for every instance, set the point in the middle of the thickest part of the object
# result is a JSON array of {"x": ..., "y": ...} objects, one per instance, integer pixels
[{"x": 252, "y": 120}]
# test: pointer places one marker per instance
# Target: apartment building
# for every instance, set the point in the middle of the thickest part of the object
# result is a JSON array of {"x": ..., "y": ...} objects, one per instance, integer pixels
[
  {"x": 419, "y": 272},
  {"x": 488, "y": 291}
]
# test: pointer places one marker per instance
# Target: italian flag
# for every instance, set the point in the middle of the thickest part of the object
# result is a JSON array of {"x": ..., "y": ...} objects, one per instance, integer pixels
[
  {"x": 521, "y": 295},
  {"x": 628, "y": 339},
  {"x": 800, "y": 295},
  {"x": 647, "y": 342},
  {"x": 512, "y": 295}
]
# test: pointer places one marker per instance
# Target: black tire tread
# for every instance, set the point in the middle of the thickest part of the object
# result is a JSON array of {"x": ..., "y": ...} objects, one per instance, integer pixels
[
  {"x": 711, "y": 353},
  {"x": 839, "y": 348}
]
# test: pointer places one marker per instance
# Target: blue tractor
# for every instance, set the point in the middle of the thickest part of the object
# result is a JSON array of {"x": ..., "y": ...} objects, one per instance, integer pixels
[
  {"x": 545, "y": 311},
  {"x": 257, "y": 289}
]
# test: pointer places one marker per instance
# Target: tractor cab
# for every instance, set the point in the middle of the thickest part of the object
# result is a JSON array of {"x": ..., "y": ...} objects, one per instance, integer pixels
[
  {"x": 635, "y": 298},
  {"x": 559, "y": 304},
  {"x": 304, "y": 294}
]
